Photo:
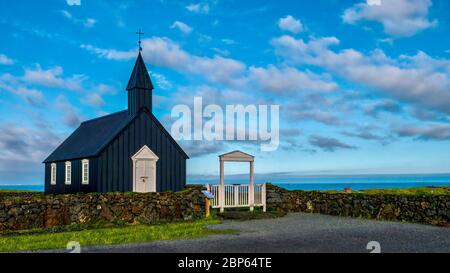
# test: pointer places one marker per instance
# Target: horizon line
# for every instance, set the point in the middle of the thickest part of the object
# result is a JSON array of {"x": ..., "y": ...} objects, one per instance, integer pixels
[
  {"x": 305, "y": 175},
  {"x": 331, "y": 174}
]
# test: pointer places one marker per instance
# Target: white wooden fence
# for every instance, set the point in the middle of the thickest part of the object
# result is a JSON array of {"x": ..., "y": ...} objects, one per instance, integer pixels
[{"x": 238, "y": 195}]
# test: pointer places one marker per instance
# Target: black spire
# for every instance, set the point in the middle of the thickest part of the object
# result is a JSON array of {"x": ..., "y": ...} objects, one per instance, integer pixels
[
  {"x": 139, "y": 77},
  {"x": 139, "y": 88}
]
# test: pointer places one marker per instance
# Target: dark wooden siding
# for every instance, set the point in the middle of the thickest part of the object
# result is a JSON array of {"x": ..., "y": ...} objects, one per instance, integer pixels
[
  {"x": 76, "y": 183},
  {"x": 47, "y": 178},
  {"x": 116, "y": 173},
  {"x": 137, "y": 99},
  {"x": 112, "y": 170}
]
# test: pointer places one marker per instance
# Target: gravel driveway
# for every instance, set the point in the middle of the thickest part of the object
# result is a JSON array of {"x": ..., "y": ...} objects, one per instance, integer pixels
[{"x": 299, "y": 232}]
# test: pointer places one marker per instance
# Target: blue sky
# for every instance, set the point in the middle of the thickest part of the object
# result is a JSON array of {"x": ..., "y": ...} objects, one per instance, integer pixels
[{"x": 363, "y": 88}]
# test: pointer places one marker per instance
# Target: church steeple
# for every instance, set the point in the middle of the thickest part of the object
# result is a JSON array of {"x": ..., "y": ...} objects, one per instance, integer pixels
[
  {"x": 139, "y": 77},
  {"x": 139, "y": 87}
]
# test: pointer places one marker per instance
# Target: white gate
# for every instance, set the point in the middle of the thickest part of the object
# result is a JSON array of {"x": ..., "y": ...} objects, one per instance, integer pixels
[{"x": 238, "y": 195}]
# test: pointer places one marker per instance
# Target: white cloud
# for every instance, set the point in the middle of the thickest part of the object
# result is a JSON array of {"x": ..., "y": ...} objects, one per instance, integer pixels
[
  {"x": 374, "y": 2},
  {"x": 163, "y": 52},
  {"x": 23, "y": 148},
  {"x": 197, "y": 149},
  {"x": 71, "y": 117},
  {"x": 5, "y": 60},
  {"x": 161, "y": 81},
  {"x": 289, "y": 79},
  {"x": 89, "y": 22},
  {"x": 105, "y": 89},
  {"x": 219, "y": 51},
  {"x": 287, "y": 46},
  {"x": 32, "y": 96},
  {"x": 94, "y": 100},
  {"x": 322, "y": 107},
  {"x": 73, "y": 2},
  {"x": 231, "y": 42},
  {"x": 45, "y": 77},
  {"x": 210, "y": 94},
  {"x": 290, "y": 24},
  {"x": 203, "y": 39},
  {"x": 419, "y": 79},
  {"x": 328, "y": 144},
  {"x": 94, "y": 97},
  {"x": 388, "y": 41},
  {"x": 25, "y": 86},
  {"x": 52, "y": 78},
  {"x": 400, "y": 18},
  {"x": 66, "y": 14},
  {"x": 381, "y": 106},
  {"x": 110, "y": 54},
  {"x": 198, "y": 8},
  {"x": 316, "y": 115},
  {"x": 181, "y": 27},
  {"x": 432, "y": 132}
]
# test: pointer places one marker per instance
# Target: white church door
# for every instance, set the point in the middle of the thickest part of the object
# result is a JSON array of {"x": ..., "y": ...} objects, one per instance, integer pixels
[{"x": 144, "y": 170}]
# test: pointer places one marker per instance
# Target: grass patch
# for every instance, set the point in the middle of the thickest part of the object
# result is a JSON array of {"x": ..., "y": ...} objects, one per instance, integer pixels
[
  {"x": 108, "y": 236},
  {"x": 423, "y": 191},
  {"x": 412, "y": 191}
]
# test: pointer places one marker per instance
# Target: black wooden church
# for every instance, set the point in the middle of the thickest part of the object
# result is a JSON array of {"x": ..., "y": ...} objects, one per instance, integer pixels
[{"x": 125, "y": 151}]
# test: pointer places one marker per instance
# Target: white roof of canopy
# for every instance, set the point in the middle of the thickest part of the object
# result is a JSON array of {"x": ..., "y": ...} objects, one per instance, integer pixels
[{"x": 237, "y": 156}]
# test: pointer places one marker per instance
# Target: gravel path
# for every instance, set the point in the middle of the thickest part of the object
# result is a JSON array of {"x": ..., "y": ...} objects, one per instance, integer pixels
[{"x": 300, "y": 232}]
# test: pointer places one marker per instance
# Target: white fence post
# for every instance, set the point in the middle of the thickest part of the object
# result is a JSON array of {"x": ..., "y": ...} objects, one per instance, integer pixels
[
  {"x": 251, "y": 200},
  {"x": 263, "y": 197},
  {"x": 222, "y": 197},
  {"x": 236, "y": 195},
  {"x": 252, "y": 186}
]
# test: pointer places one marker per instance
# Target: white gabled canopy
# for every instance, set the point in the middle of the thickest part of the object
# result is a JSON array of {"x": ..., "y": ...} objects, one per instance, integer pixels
[
  {"x": 145, "y": 153},
  {"x": 237, "y": 156}
]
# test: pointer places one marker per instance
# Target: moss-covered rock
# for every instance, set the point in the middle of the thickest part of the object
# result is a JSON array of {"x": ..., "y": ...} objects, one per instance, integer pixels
[
  {"x": 423, "y": 207},
  {"x": 20, "y": 210}
]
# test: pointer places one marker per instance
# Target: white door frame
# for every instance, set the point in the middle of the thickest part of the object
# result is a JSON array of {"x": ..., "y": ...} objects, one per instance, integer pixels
[{"x": 145, "y": 154}]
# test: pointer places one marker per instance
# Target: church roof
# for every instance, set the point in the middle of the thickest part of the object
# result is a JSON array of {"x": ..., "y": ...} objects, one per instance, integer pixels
[
  {"x": 93, "y": 135},
  {"x": 139, "y": 77},
  {"x": 89, "y": 137}
]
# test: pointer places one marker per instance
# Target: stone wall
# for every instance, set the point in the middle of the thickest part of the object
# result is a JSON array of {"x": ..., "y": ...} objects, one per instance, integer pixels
[
  {"x": 429, "y": 209},
  {"x": 28, "y": 211}
]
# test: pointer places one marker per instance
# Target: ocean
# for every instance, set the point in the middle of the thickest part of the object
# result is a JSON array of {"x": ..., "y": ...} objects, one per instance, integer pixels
[
  {"x": 356, "y": 182},
  {"x": 361, "y": 185},
  {"x": 22, "y": 187}
]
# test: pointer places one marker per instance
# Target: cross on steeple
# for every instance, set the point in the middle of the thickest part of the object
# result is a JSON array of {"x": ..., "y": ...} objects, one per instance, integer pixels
[
  {"x": 139, "y": 86},
  {"x": 140, "y": 33}
]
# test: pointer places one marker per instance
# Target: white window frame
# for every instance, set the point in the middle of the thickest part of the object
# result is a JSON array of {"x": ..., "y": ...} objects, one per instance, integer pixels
[
  {"x": 53, "y": 174},
  {"x": 85, "y": 168},
  {"x": 68, "y": 173}
]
